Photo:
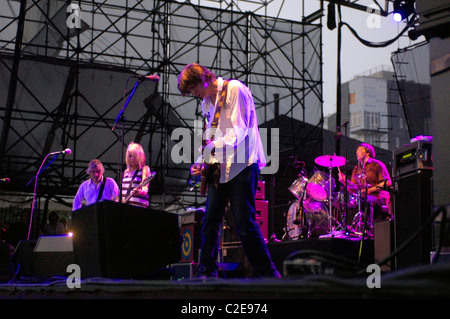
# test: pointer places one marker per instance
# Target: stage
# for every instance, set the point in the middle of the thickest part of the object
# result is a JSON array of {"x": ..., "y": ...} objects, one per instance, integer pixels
[
  {"x": 321, "y": 268},
  {"x": 429, "y": 282}
]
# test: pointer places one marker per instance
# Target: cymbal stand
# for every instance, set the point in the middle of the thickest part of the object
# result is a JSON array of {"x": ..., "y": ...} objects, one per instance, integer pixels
[
  {"x": 330, "y": 206},
  {"x": 329, "y": 199},
  {"x": 360, "y": 219}
]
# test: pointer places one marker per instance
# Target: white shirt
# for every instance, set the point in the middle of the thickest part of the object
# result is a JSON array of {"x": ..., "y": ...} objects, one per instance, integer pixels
[
  {"x": 237, "y": 141},
  {"x": 89, "y": 191}
]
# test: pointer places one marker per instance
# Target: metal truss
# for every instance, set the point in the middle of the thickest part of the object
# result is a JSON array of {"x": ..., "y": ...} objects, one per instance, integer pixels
[{"x": 279, "y": 60}]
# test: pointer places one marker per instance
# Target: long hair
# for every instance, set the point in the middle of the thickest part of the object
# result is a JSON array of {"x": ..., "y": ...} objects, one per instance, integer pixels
[{"x": 137, "y": 150}]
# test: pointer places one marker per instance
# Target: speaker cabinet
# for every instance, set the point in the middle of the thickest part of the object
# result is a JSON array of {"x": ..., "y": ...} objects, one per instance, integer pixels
[
  {"x": 262, "y": 216},
  {"x": 413, "y": 206},
  {"x": 116, "y": 240},
  {"x": 52, "y": 255},
  {"x": 190, "y": 231},
  {"x": 384, "y": 243},
  {"x": 230, "y": 235}
]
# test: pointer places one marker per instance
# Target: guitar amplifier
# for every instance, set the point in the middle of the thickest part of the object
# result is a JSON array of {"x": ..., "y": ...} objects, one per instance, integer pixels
[
  {"x": 229, "y": 232},
  {"x": 412, "y": 157},
  {"x": 262, "y": 216},
  {"x": 190, "y": 232},
  {"x": 261, "y": 190}
]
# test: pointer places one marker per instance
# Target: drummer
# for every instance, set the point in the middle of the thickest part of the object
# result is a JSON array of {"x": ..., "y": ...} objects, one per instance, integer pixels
[{"x": 371, "y": 177}]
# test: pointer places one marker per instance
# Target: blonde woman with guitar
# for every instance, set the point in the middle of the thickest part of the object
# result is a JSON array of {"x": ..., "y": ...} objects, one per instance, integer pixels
[{"x": 136, "y": 177}]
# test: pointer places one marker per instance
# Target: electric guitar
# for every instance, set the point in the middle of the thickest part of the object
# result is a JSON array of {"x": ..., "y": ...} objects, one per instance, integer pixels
[
  {"x": 147, "y": 180},
  {"x": 209, "y": 168}
]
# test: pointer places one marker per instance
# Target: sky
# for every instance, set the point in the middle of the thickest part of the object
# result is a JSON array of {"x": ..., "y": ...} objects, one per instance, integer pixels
[{"x": 356, "y": 58}]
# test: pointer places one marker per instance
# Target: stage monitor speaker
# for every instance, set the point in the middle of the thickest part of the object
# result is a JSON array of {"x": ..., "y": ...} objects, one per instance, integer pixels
[
  {"x": 413, "y": 207},
  {"x": 115, "y": 240},
  {"x": 52, "y": 255}
]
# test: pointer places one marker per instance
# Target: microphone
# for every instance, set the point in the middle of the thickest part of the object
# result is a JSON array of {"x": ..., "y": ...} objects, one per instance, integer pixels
[
  {"x": 153, "y": 77},
  {"x": 66, "y": 151},
  {"x": 5, "y": 180},
  {"x": 338, "y": 133}
]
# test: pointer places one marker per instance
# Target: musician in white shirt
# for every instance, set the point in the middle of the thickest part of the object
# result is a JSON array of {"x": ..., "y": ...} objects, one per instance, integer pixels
[{"x": 238, "y": 150}]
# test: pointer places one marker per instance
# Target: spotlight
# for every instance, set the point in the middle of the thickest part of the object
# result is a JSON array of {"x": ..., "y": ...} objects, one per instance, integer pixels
[
  {"x": 397, "y": 17},
  {"x": 403, "y": 9}
]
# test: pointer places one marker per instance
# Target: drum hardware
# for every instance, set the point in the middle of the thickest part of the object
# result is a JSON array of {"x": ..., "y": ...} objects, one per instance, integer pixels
[
  {"x": 291, "y": 230},
  {"x": 330, "y": 161},
  {"x": 300, "y": 208},
  {"x": 313, "y": 213},
  {"x": 362, "y": 219}
]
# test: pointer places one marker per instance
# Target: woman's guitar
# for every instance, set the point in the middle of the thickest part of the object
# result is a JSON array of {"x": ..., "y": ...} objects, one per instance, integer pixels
[{"x": 147, "y": 180}]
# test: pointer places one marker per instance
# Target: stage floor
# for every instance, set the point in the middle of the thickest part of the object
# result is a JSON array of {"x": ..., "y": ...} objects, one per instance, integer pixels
[{"x": 322, "y": 268}]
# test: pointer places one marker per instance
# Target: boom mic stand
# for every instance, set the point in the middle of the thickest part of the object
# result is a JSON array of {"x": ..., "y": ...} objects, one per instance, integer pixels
[
  {"x": 121, "y": 119},
  {"x": 35, "y": 202}
]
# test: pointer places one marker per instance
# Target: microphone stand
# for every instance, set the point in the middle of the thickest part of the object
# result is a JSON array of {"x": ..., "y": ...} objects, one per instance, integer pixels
[
  {"x": 120, "y": 118},
  {"x": 35, "y": 197}
]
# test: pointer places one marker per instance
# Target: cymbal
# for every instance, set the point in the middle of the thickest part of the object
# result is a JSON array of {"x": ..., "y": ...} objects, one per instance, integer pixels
[{"x": 330, "y": 160}]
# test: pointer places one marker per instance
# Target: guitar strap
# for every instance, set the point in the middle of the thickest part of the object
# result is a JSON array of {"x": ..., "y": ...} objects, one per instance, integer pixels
[
  {"x": 214, "y": 172},
  {"x": 100, "y": 192},
  {"x": 223, "y": 94}
]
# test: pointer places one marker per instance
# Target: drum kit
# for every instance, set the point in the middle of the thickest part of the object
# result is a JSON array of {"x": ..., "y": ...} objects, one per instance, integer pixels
[{"x": 318, "y": 210}]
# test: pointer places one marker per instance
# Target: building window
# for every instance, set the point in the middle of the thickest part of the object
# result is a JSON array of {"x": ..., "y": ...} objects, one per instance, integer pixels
[
  {"x": 372, "y": 120},
  {"x": 355, "y": 119}
]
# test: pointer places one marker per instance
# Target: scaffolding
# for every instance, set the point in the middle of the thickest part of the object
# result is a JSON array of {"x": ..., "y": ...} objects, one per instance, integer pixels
[{"x": 68, "y": 67}]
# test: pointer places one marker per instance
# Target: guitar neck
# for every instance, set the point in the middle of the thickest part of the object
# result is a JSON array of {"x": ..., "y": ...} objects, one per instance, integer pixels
[{"x": 142, "y": 184}]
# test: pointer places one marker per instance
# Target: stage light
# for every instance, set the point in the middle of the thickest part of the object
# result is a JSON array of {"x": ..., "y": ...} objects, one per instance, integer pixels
[
  {"x": 397, "y": 17},
  {"x": 403, "y": 9}
]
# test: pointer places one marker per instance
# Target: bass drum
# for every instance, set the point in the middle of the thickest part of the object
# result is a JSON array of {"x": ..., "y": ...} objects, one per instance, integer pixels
[
  {"x": 316, "y": 218},
  {"x": 292, "y": 230}
]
